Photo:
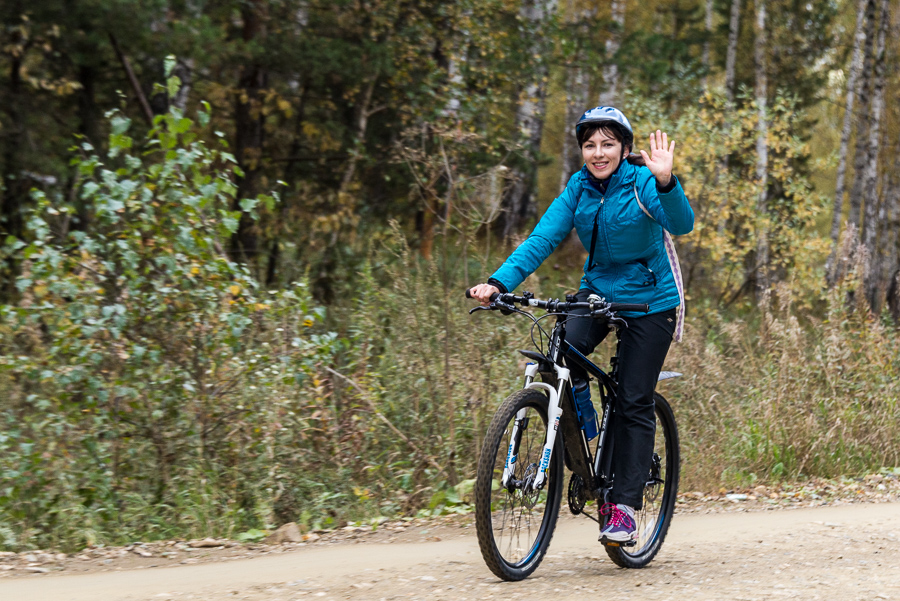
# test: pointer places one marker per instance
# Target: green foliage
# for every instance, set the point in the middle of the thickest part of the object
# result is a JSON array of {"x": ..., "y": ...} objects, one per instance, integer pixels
[
  {"x": 142, "y": 365},
  {"x": 720, "y": 254}
]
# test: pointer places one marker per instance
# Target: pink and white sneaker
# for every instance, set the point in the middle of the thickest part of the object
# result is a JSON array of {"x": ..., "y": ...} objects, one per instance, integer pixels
[{"x": 620, "y": 526}]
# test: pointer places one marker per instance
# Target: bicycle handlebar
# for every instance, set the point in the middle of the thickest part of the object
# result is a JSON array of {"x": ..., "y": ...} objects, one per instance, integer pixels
[{"x": 506, "y": 301}]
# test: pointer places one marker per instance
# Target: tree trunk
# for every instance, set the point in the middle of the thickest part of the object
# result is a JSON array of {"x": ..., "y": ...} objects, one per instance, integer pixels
[
  {"x": 518, "y": 200},
  {"x": 249, "y": 130},
  {"x": 184, "y": 70},
  {"x": 734, "y": 30},
  {"x": 890, "y": 239},
  {"x": 456, "y": 62},
  {"x": 762, "y": 151},
  {"x": 610, "y": 94},
  {"x": 861, "y": 156},
  {"x": 576, "y": 100},
  {"x": 133, "y": 80},
  {"x": 852, "y": 84},
  {"x": 87, "y": 105},
  {"x": 708, "y": 26},
  {"x": 363, "y": 113},
  {"x": 870, "y": 175},
  {"x": 577, "y": 90},
  {"x": 14, "y": 191}
]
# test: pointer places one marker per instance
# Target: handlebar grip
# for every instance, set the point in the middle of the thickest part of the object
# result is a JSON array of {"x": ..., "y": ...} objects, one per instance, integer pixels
[
  {"x": 493, "y": 296},
  {"x": 637, "y": 308}
]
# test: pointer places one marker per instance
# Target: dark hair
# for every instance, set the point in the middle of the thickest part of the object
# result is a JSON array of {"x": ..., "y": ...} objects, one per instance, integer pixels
[{"x": 617, "y": 131}]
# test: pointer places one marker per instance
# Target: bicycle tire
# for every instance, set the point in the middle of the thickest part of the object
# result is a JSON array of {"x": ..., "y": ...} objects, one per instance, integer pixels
[
  {"x": 514, "y": 527},
  {"x": 659, "y": 499}
]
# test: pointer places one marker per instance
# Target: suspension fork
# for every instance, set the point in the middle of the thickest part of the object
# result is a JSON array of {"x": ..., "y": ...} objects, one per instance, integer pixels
[{"x": 554, "y": 412}]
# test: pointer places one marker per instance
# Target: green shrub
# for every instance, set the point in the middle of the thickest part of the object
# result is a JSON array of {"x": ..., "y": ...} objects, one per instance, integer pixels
[{"x": 145, "y": 374}]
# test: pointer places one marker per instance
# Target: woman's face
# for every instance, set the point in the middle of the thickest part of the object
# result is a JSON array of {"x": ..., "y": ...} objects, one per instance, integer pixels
[{"x": 602, "y": 154}]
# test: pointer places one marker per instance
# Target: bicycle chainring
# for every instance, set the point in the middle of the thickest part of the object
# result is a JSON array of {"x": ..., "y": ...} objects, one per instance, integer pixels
[{"x": 577, "y": 494}]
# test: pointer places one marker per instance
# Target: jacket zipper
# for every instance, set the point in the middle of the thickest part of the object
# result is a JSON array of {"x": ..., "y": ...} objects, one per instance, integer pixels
[{"x": 594, "y": 234}]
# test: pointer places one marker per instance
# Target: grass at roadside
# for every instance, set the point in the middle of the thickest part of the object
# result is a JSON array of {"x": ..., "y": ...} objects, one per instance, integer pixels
[{"x": 882, "y": 487}]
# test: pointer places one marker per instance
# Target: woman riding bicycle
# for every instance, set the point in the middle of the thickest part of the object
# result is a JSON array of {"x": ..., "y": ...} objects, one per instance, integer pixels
[{"x": 619, "y": 204}]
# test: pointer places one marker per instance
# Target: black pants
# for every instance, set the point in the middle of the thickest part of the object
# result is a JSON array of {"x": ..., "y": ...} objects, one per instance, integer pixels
[{"x": 642, "y": 350}]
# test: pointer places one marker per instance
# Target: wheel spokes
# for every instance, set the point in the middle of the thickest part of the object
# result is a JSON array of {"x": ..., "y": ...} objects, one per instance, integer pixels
[{"x": 519, "y": 510}]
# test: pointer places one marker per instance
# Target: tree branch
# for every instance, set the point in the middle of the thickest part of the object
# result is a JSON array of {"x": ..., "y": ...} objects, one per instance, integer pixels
[{"x": 132, "y": 78}]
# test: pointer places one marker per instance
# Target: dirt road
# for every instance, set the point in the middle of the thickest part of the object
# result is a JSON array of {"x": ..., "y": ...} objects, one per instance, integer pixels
[{"x": 836, "y": 552}]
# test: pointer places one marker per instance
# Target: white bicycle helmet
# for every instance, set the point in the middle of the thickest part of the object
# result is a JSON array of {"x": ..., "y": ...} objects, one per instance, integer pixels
[{"x": 600, "y": 114}]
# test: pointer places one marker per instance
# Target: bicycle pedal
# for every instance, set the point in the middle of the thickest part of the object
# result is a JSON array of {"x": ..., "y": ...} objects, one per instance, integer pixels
[{"x": 617, "y": 543}]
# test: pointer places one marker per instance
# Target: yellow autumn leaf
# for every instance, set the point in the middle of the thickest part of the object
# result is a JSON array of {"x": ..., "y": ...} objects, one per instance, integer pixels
[
  {"x": 308, "y": 322},
  {"x": 234, "y": 289}
]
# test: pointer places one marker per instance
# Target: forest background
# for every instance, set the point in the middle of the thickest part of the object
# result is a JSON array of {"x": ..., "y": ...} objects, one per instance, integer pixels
[{"x": 236, "y": 236}]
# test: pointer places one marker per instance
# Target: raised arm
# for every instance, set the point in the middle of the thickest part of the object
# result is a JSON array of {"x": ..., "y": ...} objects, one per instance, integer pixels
[{"x": 662, "y": 194}]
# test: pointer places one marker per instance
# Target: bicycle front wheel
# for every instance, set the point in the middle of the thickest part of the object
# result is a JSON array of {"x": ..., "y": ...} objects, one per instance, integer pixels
[
  {"x": 660, "y": 491},
  {"x": 515, "y": 523}
]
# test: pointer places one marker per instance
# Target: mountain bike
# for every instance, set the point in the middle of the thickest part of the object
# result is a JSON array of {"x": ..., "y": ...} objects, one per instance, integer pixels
[{"x": 537, "y": 431}]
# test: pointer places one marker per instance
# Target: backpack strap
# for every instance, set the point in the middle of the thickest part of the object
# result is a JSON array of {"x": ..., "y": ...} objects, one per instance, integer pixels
[{"x": 674, "y": 266}]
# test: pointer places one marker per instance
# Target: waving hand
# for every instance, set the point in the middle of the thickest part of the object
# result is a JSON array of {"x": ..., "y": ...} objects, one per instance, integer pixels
[{"x": 662, "y": 155}]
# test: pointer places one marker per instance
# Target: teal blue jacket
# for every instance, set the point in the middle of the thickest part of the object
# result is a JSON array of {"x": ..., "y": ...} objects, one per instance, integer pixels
[{"x": 630, "y": 261}]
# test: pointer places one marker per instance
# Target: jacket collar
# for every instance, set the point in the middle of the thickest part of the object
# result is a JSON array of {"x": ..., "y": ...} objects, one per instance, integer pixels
[{"x": 623, "y": 176}]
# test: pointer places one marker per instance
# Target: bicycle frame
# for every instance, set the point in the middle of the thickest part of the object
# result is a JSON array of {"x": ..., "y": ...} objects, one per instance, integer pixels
[{"x": 586, "y": 466}]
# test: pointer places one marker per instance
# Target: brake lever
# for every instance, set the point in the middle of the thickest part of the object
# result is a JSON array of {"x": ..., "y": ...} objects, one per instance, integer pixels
[
  {"x": 618, "y": 321},
  {"x": 479, "y": 308},
  {"x": 505, "y": 308}
]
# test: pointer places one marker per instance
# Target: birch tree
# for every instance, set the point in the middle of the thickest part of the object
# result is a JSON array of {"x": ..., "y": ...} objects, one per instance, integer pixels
[
  {"x": 518, "y": 199},
  {"x": 861, "y": 156},
  {"x": 852, "y": 84},
  {"x": 577, "y": 85},
  {"x": 734, "y": 30},
  {"x": 609, "y": 96},
  {"x": 870, "y": 174},
  {"x": 576, "y": 103},
  {"x": 708, "y": 26},
  {"x": 762, "y": 150},
  {"x": 889, "y": 242}
]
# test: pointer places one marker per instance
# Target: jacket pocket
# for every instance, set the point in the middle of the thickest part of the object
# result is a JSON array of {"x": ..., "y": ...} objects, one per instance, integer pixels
[{"x": 636, "y": 282}]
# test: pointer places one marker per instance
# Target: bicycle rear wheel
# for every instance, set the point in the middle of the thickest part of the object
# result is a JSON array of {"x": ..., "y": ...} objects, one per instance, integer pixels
[
  {"x": 515, "y": 523},
  {"x": 660, "y": 492}
]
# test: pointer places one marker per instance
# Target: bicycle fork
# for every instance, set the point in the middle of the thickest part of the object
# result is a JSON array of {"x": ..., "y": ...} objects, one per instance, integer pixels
[{"x": 554, "y": 412}]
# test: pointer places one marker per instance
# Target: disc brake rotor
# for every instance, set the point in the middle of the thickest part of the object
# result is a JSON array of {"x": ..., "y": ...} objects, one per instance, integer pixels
[{"x": 529, "y": 495}]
